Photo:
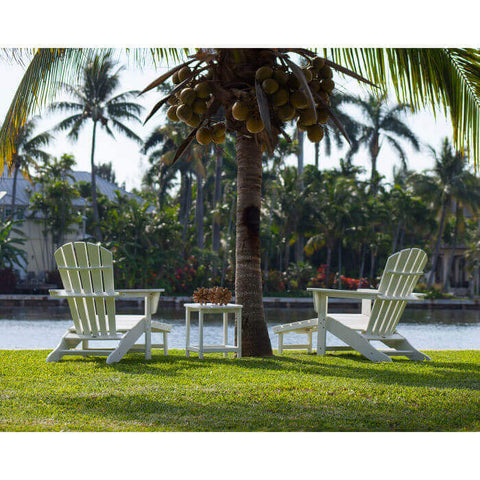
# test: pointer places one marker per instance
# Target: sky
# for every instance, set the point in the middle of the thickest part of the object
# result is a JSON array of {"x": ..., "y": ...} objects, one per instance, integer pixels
[{"x": 130, "y": 165}]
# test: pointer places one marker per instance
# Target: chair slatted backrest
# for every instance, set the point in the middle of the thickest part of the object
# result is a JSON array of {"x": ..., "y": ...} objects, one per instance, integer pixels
[
  {"x": 401, "y": 274},
  {"x": 86, "y": 268}
]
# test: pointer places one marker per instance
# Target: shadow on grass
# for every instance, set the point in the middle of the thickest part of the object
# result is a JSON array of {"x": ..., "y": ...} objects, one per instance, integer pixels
[
  {"x": 237, "y": 412},
  {"x": 440, "y": 375}
]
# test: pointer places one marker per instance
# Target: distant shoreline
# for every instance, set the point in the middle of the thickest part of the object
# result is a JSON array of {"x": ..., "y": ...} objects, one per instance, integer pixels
[{"x": 269, "y": 302}]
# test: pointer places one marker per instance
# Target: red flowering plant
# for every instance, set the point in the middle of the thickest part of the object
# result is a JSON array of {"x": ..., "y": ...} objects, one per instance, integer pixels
[
  {"x": 352, "y": 283},
  {"x": 320, "y": 280}
]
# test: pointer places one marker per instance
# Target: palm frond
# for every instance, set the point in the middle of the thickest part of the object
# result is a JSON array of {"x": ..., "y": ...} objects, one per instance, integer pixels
[
  {"x": 448, "y": 78},
  {"x": 125, "y": 130}
]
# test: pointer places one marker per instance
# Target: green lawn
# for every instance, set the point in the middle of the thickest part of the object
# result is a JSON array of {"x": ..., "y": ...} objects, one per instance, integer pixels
[{"x": 294, "y": 392}]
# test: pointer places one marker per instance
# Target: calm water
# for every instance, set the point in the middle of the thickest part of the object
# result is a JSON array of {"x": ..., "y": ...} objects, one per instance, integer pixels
[{"x": 41, "y": 328}]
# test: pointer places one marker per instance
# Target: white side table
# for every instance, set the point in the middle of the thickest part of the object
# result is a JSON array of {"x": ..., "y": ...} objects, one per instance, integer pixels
[{"x": 203, "y": 310}]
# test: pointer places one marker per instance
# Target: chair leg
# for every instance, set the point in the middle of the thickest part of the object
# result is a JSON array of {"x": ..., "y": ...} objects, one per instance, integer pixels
[
  {"x": 356, "y": 341},
  {"x": 280, "y": 343},
  {"x": 127, "y": 342},
  {"x": 309, "y": 348},
  {"x": 165, "y": 343},
  {"x": 404, "y": 344},
  {"x": 65, "y": 344}
]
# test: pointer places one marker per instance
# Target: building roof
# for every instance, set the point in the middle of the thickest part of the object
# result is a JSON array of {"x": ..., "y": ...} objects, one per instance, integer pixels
[{"x": 24, "y": 187}]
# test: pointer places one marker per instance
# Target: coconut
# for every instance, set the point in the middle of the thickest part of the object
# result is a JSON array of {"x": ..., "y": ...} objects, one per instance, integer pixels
[
  {"x": 270, "y": 86},
  {"x": 255, "y": 124},
  {"x": 203, "y": 89},
  {"x": 314, "y": 85},
  {"x": 318, "y": 63},
  {"x": 218, "y": 131},
  {"x": 263, "y": 73},
  {"x": 315, "y": 133},
  {"x": 194, "y": 121},
  {"x": 325, "y": 72},
  {"x": 199, "y": 106},
  {"x": 299, "y": 99},
  {"x": 280, "y": 98},
  {"x": 184, "y": 73},
  {"x": 172, "y": 114},
  {"x": 280, "y": 76},
  {"x": 308, "y": 74},
  {"x": 328, "y": 85},
  {"x": 307, "y": 117},
  {"x": 286, "y": 113},
  {"x": 187, "y": 96},
  {"x": 240, "y": 111},
  {"x": 184, "y": 113},
  {"x": 322, "y": 115},
  {"x": 204, "y": 136}
]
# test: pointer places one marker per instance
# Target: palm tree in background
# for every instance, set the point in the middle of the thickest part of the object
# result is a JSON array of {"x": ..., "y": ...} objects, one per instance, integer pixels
[
  {"x": 380, "y": 123},
  {"x": 95, "y": 101},
  {"x": 451, "y": 183},
  {"x": 161, "y": 146},
  {"x": 28, "y": 149},
  {"x": 448, "y": 78}
]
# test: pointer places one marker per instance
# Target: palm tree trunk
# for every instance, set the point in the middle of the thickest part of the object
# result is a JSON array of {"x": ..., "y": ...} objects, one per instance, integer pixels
[
  {"x": 14, "y": 189},
  {"x": 96, "y": 218},
  {"x": 327, "y": 270},
  {"x": 248, "y": 274},
  {"x": 363, "y": 253},
  {"x": 199, "y": 212},
  {"x": 216, "y": 198},
  {"x": 431, "y": 277},
  {"x": 317, "y": 155},
  {"x": 227, "y": 243},
  {"x": 300, "y": 243},
  {"x": 454, "y": 247},
  {"x": 340, "y": 265},
  {"x": 372, "y": 264},
  {"x": 396, "y": 237},
  {"x": 187, "y": 204},
  {"x": 267, "y": 250}
]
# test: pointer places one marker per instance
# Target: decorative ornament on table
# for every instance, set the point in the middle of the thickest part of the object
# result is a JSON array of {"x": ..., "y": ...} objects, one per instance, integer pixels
[
  {"x": 201, "y": 295},
  {"x": 214, "y": 295},
  {"x": 221, "y": 296}
]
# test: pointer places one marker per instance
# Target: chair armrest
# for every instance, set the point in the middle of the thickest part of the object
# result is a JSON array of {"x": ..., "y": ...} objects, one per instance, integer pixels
[
  {"x": 65, "y": 294},
  {"x": 328, "y": 292},
  {"x": 145, "y": 293},
  {"x": 139, "y": 292}
]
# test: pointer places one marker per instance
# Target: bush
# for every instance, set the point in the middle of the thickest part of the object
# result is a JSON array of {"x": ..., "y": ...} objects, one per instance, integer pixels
[
  {"x": 274, "y": 282},
  {"x": 8, "y": 280}
]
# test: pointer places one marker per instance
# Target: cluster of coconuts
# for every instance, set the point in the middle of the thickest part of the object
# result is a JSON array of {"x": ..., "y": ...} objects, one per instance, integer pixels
[
  {"x": 288, "y": 100},
  {"x": 190, "y": 104}
]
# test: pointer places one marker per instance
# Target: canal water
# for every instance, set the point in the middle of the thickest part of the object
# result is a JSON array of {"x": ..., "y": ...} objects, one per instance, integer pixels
[{"x": 41, "y": 328}]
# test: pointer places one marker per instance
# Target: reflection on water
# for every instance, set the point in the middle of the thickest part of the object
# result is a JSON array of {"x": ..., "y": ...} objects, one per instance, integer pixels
[{"x": 27, "y": 327}]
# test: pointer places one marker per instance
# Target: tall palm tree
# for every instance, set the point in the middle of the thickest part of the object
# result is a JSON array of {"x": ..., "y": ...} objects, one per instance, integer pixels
[
  {"x": 380, "y": 123},
  {"x": 447, "y": 77},
  {"x": 27, "y": 151},
  {"x": 95, "y": 100},
  {"x": 161, "y": 145}
]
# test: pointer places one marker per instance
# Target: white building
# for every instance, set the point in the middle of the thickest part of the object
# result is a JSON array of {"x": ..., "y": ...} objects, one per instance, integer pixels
[{"x": 37, "y": 247}]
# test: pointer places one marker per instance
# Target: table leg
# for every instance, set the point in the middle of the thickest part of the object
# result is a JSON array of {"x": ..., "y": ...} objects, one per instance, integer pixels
[
  {"x": 200, "y": 335},
  {"x": 187, "y": 332},
  {"x": 148, "y": 327},
  {"x": 225, "y": 332},
  {"x": 238, "y": 318},
  {"x": 322, "y": 303}
]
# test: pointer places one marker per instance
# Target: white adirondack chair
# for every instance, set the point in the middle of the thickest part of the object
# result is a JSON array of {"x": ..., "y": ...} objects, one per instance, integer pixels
[
  {"x": 86, "y": 270},
  {"x": 377, "y": 323}
]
